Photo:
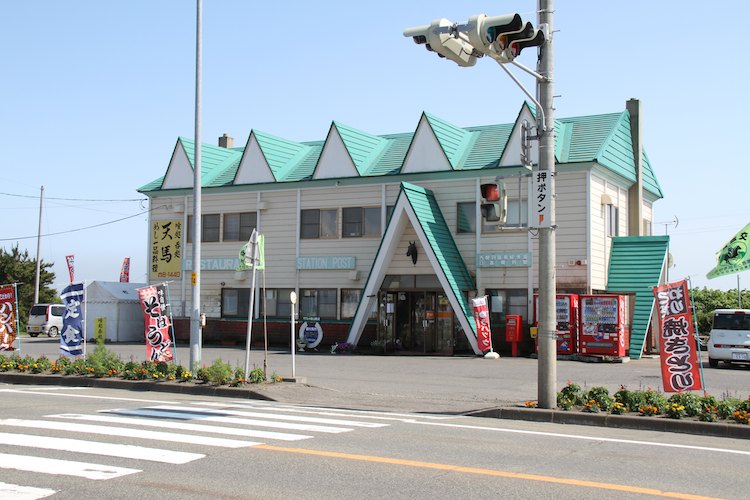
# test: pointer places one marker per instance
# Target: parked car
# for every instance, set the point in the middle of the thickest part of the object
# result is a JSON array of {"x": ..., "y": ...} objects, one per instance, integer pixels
[
  {"x": 45, "y": 318},
  {"x": 729, "y": 340}
]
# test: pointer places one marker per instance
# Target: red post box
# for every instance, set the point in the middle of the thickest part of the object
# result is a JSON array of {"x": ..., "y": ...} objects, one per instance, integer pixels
[{"x": 513, "y": 332}]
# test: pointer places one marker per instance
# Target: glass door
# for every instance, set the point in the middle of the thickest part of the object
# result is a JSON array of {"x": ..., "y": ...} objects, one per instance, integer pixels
[
  {"x": 424, "y": 320},
  {"x": 386, "y": 319},
  {"x": 444, "y": 325}
]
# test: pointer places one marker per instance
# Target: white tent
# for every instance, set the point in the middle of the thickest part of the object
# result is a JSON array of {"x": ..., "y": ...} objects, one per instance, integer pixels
[{"x": 117, "y": 303}]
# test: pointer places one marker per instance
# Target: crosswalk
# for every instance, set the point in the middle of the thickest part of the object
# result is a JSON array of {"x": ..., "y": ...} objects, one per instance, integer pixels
[{"x": 206, "y": 424}]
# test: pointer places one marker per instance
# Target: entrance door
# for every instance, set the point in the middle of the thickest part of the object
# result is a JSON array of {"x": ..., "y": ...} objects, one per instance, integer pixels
[
  {"x": 415, "y": 322},
  {"x": 423, "y": 320},
  {"x": 386, "y": 318}
]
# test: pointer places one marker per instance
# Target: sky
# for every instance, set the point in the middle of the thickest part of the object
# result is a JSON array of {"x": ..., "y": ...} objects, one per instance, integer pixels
[{"x": 96, "y": 93}]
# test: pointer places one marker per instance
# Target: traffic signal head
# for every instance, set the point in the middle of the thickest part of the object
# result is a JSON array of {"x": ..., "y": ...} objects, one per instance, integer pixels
[
  {"x": 439, "y": 37},
  {"x": 494, "y": 206},
  {"x": 502, "y": 37}
]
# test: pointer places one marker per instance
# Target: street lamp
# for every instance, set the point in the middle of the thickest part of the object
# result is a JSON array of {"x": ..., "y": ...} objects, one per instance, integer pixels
[{"x": 293, "y": 298}]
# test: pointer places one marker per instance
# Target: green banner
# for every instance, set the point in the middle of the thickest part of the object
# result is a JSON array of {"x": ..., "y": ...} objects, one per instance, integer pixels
[
  {"x": 246, "y": 260},
  {"x": 734, "y": 257}
]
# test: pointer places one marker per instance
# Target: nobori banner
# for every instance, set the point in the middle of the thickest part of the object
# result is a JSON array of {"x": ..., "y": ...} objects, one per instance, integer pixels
[{"x": 680, "y": 363}]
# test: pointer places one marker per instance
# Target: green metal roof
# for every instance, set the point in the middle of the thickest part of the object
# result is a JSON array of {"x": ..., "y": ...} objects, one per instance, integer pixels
[
  {"x": 441, "y": 242},
  {"x": 364, "y": 149},
  {"x": 604, "y": 139},
  {"x": 454, "y": 140},
  {"x": 635, "y": 266}
]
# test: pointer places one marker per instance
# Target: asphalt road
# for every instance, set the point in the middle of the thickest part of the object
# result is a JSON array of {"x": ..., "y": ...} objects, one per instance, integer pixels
[
  {"x": 425, "y": 383},
  {"x": 97, "y": 443}
]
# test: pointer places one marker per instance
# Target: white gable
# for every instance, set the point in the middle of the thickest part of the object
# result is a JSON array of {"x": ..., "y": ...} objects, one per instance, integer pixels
[
  {"x": 403, "y": 216},
  {"x": 425, "y": 153},
  {"x": 512, "y": 153},
  {"x": 253, "y": 167},
  {"x": 335, "y": 160},
  {"x": 180, "y": 171}
]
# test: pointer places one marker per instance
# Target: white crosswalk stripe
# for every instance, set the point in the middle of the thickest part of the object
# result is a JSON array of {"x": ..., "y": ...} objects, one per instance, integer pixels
[
  {"x": 98, "y": 448},
  {"x": 201, "y": 424},
  {"x": 17, "y": 492},
  {"x": 127, "y": 432},
  {"x": 62, "y": 467},
  {"x": 181, "y": 426},
  {"x": 197, "y": 415}
]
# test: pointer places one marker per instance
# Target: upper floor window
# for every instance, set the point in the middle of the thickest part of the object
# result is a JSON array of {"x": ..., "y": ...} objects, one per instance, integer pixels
[
  {"x": 239, "y": 226},
  {"x": 360, "y": 221},
  {"x": 209, "y": 227},
  {"x": 318, "y": 223},
  {"x": 466, "y": 217},
  {"x": 613, "y": 220}
]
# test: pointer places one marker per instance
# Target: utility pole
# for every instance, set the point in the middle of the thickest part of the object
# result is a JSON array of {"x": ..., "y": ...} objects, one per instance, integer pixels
[
  {"x": 38, "y": 248},
  {"x": 547, "y": 335},
  {"x": 195, "y": 316}
]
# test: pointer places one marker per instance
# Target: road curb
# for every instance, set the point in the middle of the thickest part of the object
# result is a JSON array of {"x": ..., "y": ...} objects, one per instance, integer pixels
[
  {"x": 662, "y": 424},
  {"x": 132, "y": 385}
]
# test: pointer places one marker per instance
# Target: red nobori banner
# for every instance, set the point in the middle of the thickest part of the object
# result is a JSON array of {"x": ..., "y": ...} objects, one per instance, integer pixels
[
  {"x": 71, "y": 267},
  {"x": 482, "y": 319},
  {"x": 8, "y": 317},
  {"x": 680, "y": 362},
  {"x": 156, "y": 322},
  {"x": 125, "y": 271}
]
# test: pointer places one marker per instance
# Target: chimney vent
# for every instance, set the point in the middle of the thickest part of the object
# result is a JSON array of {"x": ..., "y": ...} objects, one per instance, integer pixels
[{"x": 226, "y": 142}]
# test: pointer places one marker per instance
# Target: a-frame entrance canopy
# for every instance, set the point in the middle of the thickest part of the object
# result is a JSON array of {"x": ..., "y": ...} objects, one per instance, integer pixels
[{"x": 417, "y": 206}]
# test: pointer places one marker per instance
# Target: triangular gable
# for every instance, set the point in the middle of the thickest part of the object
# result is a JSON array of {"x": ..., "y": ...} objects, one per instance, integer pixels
[
  {"x": 636, "y": 266},
  {"x": 425, "y": 153},
  {"x": 512, "y": 151},
  {"x": 282, "y": 155},
  {"x": 254, "y": 168},
  {"x": 336, "y": 159},
  {"x": 180, "y": 170},
  {"x": 417, "y": 206}
]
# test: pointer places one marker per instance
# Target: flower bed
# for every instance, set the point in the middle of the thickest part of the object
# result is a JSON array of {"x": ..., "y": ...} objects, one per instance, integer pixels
[
  {"x": 651, "y": 403},
  {"x": 103, "y": 363}
]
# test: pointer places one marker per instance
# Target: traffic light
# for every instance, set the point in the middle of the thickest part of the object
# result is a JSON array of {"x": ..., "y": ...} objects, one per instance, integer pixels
[
  {"x": 502, "y": 37},
  {"x": 494, "y": 202},
  {"x": 441, "y": 37}
]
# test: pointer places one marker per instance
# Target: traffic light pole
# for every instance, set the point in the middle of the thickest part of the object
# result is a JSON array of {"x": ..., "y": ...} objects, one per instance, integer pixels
[{"x": 547, "y": 334}]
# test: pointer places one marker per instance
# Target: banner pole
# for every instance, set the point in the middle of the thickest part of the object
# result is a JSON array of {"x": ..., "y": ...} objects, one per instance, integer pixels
[
  {"x": 18, "y": 332},
  {"x": 171, "y": 324},
  {"x": 696, "y": 337}
]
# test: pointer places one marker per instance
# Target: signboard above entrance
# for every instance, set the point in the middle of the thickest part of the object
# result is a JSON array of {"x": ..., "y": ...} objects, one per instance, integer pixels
[{"x": 504, "y": 259}]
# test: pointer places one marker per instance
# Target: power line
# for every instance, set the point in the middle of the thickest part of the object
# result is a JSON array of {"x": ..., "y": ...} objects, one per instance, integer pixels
[
  {"x": 68, "y": 199},
  {"x": 80, "y": 228}
]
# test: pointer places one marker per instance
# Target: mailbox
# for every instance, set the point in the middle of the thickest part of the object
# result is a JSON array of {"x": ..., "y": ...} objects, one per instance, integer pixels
[{"x": 513, "y": 331}]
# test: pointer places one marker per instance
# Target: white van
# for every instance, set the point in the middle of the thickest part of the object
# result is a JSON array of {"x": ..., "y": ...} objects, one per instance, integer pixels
[
  {"x": 729, "y": 340},
  {"x": 45, "y": 318}
]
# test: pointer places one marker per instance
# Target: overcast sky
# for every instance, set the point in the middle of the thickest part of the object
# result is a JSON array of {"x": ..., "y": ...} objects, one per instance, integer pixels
[{"x": 95, "y": 94}]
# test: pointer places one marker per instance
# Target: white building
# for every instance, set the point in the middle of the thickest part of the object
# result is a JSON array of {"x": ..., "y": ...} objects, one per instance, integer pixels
[{"x": 325, "y": 209}]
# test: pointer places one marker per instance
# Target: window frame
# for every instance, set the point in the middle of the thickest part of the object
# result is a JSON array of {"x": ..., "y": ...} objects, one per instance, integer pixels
[
  {"x": 244, "y": 229},
  {"x": 355, "y": 222},
  {"x": 322, "y": 229}
]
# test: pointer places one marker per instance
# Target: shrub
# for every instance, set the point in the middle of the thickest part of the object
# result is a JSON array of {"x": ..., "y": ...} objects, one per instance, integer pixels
[
  {"x": 600, "y": 395},
  {"x": 202, "y": 374},
  {"x": 239, "y": 378},
  {"x": 675, "y": 410},
  {"x": 741, "y": 416},
  {"x": 691, "y": 402},
  {"x": 569, "y": 396},
  {"x": 257, "y": 376},
  {"x": 103, "y": 362},
  {"x": 618, "y": 408},
  {"x": 220, "y": 372},
  {"x": 727, "y": 407}
]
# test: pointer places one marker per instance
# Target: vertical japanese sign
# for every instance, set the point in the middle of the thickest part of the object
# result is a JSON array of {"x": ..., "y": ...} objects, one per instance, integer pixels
[
  {"x": 72, "y": 336},
  {"x": 8, "y": 317},
  {"x": 125, "y": 271},
  {"x": 680, "y": 364},
  {"x": 734, "y": 257},
  {"x": 541, "y": 187},
  {"x": 166, "y": 249},
  {"x": 71, "y": 267},
  {"x": 156, "y": 322},
  {"x": 482, "y": 319}
]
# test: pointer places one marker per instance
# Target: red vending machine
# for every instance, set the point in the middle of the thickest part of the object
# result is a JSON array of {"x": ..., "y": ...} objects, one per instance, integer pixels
[
  {"x": 603, "y": 325},
  {"x": 566, "y": 310}
]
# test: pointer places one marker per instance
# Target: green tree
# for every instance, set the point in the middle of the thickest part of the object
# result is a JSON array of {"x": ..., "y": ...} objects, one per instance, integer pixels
[
  {"x": 706, "y": 300},
  {"x": 17, "y": 267}
]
